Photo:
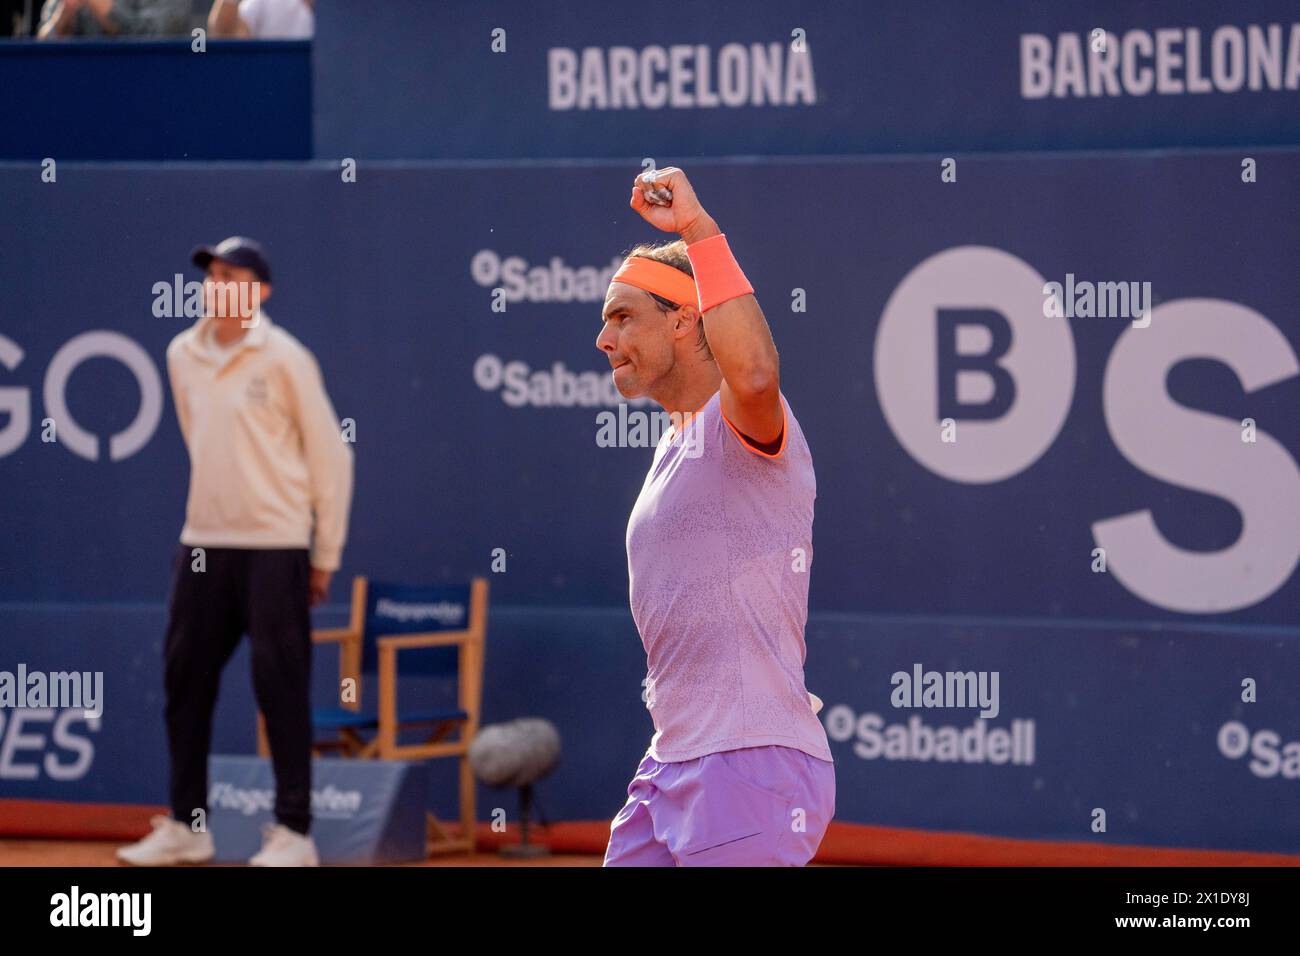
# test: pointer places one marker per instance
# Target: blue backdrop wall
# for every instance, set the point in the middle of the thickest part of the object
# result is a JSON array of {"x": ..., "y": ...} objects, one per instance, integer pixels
[{"x": 924, "y": 302}]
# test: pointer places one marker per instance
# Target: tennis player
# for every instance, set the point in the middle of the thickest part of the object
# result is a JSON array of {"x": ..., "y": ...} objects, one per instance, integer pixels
[{"x": 738, "y": 772}]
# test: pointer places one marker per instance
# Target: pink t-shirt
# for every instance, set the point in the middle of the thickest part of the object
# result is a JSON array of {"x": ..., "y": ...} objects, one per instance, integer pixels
[{"x": 719, "y": 546}]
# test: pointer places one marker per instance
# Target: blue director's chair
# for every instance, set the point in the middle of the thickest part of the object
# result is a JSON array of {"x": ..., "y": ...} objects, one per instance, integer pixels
[{"x": 447, "y": 624}]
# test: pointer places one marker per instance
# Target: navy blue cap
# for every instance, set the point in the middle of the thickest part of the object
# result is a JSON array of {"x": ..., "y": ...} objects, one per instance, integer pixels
[{"x": 238, "y": 251}]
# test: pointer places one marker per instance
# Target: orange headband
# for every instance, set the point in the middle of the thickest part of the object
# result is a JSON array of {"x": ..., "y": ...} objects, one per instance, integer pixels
[{"x": 659, "y": 278}]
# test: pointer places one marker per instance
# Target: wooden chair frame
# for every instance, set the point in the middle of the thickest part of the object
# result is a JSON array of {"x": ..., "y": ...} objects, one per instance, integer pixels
[{"x": 384, "y": 745}]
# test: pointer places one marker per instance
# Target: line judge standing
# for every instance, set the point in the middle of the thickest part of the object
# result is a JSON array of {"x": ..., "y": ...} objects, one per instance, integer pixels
[{"x": 265, "y": 523}]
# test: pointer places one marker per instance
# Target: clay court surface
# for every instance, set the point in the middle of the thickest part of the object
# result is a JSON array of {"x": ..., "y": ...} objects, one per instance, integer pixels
[
  {"x": 876, "y": 847},
  {"x": 48, "y": 833},
  {"x": 100, "y": 853}
]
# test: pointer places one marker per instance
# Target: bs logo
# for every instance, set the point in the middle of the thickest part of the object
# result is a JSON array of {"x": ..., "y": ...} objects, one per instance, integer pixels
[{"x": 964, "y": 337}]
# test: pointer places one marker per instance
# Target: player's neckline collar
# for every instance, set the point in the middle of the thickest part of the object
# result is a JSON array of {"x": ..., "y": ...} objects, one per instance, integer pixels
[{"x": 672, "y": 429}]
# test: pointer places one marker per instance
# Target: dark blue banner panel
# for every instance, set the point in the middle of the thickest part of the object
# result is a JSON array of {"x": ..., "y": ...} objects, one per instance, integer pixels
[
  {"x": 407, "y": 78},
  {"x": 1145, "y": 724},
  {"x": 155, "y": 100},
  {"x": 972, "y": 448},
  {"x": 1050, "y": 401}
]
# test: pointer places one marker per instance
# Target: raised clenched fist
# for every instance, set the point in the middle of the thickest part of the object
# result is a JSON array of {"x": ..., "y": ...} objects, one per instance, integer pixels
[{"x": 671, "y": 205}]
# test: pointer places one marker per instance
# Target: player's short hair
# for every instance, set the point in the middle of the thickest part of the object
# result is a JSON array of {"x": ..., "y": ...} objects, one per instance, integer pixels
[{"x": 671, "y": 254}]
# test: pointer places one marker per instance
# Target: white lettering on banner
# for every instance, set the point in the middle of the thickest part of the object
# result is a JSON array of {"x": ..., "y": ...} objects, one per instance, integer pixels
[
  {"x": 444, "y": 612},
  {"x": 557, "y": 282},
  {"x": 917, "y": 740},
  {"x": 681, "y": 76},
  {"x": 327, "y": 802},
  {"x": 1171, "y": 61},
  {"x": 1026, "y": 363},
  {"x": 17, "y": 402},
  {"x": 1270, "y": 757},
  {"x": 17, "y": 737},
  {"x": 1171, "y": 441},
  {"x": 521, "y": 387},
  {"x": 1040, "y": 363}
]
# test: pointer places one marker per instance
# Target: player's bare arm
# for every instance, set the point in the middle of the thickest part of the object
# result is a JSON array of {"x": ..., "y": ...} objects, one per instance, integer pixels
[{"x": 736, "y": 329}]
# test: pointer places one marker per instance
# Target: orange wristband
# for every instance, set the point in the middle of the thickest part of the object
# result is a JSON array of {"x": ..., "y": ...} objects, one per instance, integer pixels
[{"x": 717, "y": 274}]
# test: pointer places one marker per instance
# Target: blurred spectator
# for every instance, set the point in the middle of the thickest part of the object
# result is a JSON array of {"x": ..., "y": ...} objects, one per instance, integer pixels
[
  {"x": 158, "y": 18},
  {"x": 263, "y": 19},
  {"x": 12, "y": 21}
]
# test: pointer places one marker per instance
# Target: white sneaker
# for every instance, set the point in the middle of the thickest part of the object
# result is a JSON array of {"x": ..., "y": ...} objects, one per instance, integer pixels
[
  {"x": 170, "y": 843},
  {"x": 283, "y": 847}
]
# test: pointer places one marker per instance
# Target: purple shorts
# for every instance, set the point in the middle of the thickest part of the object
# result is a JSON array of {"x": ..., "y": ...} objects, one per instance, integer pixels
[{"x": 757, "y": 806}]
